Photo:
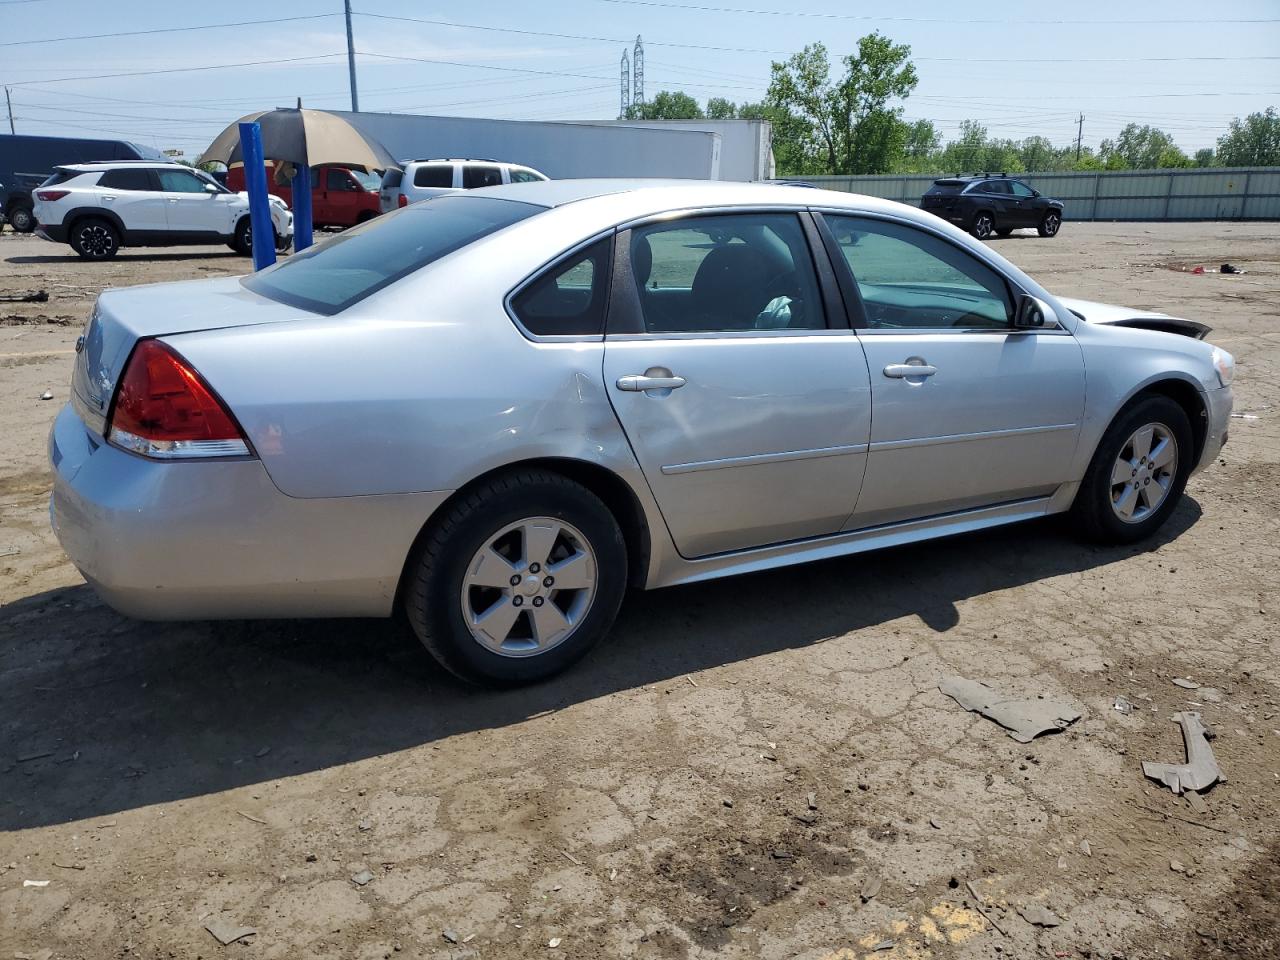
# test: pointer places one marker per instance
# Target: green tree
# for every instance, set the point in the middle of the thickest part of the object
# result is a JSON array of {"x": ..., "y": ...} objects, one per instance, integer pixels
[
  {"x": 1206, "y": 157},
  {"x": 1142, "y": 147},
  {"x": 1252, "y": 142},
  {"x": 849, "y": 125},
  {"x": 667, "y": 105},
  {"x": 718, "y": 108}
]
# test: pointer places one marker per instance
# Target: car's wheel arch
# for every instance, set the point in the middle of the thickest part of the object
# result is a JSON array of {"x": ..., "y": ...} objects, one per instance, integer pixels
[
  {"x": 74, "y": 218},
  {"x": 615, "y": 492},
  {"x": 1181, "y": 390}
]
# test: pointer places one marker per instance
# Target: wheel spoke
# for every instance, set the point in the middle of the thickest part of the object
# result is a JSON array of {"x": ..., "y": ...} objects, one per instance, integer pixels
[
  {"x": 539, "y": 538},
  {"x": 490, "y": 569},
  {"x": 1128, "y": 500},
  {"x": 1164, "y": 452},
  {"x": 1152, "y": 494},
  {"x": 573, "y": 573},
  {"x": 1142, "y": 442},
  {"x": 1122, "y": 472},
  {"x": 496, "y": 622},
  {"x": 548, "y": 623}
]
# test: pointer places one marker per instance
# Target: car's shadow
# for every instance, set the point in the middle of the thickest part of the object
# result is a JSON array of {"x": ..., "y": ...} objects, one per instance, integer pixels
[
  {"x": 132, "y": 256},
  {"x": 131, "y": 714}
]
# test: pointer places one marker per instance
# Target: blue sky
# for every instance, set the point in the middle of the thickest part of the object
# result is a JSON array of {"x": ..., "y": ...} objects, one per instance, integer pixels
[{"x": 1183, "y": 67}]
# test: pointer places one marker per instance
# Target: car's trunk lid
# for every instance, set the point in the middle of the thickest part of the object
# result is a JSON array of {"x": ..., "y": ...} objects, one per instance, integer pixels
[
  {"x": 942, "y": 195},
  {"x": 121, "y": 317}
]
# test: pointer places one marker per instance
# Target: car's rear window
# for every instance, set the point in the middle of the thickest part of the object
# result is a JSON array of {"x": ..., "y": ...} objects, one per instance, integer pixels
[
  {"x": 333, "y": 275},
  {"x": 391, "y": 179},
  {"x": 948, "y": 185}
]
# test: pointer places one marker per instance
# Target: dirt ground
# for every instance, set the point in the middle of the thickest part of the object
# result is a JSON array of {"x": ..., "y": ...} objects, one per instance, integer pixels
[{"x": 726, "y": 776}]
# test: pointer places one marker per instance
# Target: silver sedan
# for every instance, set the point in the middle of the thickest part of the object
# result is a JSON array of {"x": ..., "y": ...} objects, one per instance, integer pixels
[{"x": 500, "y": 409}]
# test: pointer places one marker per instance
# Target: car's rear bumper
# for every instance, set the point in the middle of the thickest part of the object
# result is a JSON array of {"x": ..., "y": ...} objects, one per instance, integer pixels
[
  {"x": 218, "y": 540},
  {"x": 51, "y": 231},
  {"x": 1218, "y": 404}
]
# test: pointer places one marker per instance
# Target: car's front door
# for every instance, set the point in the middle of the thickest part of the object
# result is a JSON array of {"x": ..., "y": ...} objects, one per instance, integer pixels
[
  {"x": 191, "y": 207},
  {"x": 339, "y": 197},
  {"x": 133, "y": 194},
  {"x": 748, "y": 412},
  {"x": 968, "y": 411},
  {"x": 1030, "y": 207}
]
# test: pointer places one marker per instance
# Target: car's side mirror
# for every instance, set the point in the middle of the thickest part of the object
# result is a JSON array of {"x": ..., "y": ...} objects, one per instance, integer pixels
[
  {"x": 210, "y": 188},
  {"x": 1035, "y": 193},
  {"x": 1034, "y": 314}
]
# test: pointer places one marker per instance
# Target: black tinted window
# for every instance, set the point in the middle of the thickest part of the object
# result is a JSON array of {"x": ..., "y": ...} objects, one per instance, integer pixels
[
  {"x": 179, "y": 181},
  {"x": 474, "y": 176},
  {"x": 391, "y": 179},
  {"x": 434, "y": 175},
  {"x": 910, "y": 278},
  {"x": 59, "y": 176},
  {"x": 569, "y": 299},
  {"x": 127, "y": 180},
  {"x": 726, "y": 273},
  {"x": 1021, "y": 189},
  {"x": 997, "y": 186},
  {"x": 338, "y": 180},
  {"x": 345, "y": 269}
]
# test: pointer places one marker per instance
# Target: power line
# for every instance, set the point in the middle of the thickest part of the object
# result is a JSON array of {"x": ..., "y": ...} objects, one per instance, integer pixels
[
  {"x": 699, "y": 8},
  {"x": 151, "y": 73},
  {"x": 143, "y": 33}
]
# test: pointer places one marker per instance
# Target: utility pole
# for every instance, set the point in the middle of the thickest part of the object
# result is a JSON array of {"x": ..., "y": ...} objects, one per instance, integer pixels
[
  {"x": 637, "y": 76},
  {"x": 351, "y": 60},
  {"x": 1079, "y": 136},
  {"x": 9, "y": 103}
]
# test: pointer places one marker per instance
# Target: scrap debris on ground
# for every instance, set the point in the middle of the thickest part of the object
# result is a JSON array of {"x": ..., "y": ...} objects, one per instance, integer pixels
[
  {"x": 1201, "y": 771},
  {"x": 1024, "y": 719}
]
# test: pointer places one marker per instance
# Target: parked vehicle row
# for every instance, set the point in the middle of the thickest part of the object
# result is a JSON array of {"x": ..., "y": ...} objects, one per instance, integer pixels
[
  {"x": 100, "y": 207},
  {"x": 988, "y": 205},
  {"x": 497, "y": 410},
  {"x": 424, "y": 179},
  {"x": 341, "y": 196}
]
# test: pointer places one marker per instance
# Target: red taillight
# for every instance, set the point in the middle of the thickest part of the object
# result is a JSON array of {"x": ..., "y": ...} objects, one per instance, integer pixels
[
  {"x": 402, "y": 201},
  {"x": 51, "y": 194},
  {"x": 164, "y": 408}
]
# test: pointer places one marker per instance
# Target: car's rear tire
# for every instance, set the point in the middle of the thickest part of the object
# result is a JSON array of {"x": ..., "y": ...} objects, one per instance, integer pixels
[
  {"x": 1126, "y": 495},
  {"x": 984, "y": 224},
  {"x": 1003, "y": 231},
  {"x": 1051, "y": 224},
  {"x": 482, "y": 595},
  {"x": 242, "y": 241},
  {"x": 21, "y": 218},
  {"x": 95, "y": 238}
]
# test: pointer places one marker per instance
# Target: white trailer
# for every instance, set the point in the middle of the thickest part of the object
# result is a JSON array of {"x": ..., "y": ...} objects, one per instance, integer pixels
[
  {"x": 560, "y": 150},
  {"x": 746, "y": 146}
]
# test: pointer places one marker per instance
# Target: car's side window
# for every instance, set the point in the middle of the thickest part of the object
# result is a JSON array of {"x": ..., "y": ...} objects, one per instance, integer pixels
[
  {"x": 999, "y": 187},
  {"x": 474, "y": 175},
  {"x": 434, "y": 175},
  {"x": 127, "y": 179},
  {"x": 337, "y": 180},
  {"x": 524, "y": 176},
  {"x": 569, "y": 298},
  {"x": 179, "y": 181},
  {"x": 1021, "y": 189},
  {"x": 912, "y": 279},
  {"x": 726, "y": 273}
]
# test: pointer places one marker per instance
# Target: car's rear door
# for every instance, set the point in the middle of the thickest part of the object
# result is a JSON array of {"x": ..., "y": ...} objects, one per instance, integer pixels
[
  {"x": 969, "y": 412},
  {"x": 133, "y": 194},
  {"x": 740, "y": 386}
]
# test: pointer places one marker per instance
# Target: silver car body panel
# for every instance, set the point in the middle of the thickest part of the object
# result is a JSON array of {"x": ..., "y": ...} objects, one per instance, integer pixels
[{"x": 365, "y": 422}]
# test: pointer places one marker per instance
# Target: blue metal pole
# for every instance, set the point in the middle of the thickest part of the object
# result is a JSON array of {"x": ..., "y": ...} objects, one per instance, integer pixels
[
  {"x": 302, "y": 208},
  {"x": 255, "y": 182}
]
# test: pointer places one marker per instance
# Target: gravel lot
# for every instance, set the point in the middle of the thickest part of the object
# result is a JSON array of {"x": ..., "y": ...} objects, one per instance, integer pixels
[{"x": 723, "y": 777}]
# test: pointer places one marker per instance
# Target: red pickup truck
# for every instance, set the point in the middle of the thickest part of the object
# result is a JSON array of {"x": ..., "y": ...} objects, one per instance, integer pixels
[{"x": 340, "y": 196}]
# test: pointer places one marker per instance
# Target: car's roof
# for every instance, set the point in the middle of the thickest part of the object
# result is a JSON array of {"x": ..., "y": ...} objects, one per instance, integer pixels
[
  {"x": 460, "y": 160},
  {"x": 671, "y": 194},
  {"x": 96, "y": 165}
]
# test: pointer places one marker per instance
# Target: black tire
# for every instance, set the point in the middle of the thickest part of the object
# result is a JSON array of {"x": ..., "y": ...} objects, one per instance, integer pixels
[
  {"x": 984, "y": 224},
  {"x": 242, "y": 241},
  {"x": 1093, "y": 513},
  {"x": 21, "y": 218},
  {"x": 433, "y": 590},
  {"x": 95, "y": 238},
  {"x": 1003, "y": 231},
  {"x": 1051, "y": 224}
]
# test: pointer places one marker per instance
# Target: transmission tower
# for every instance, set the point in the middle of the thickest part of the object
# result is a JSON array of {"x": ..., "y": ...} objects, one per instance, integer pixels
[
  {"x": 626, "y": 86},
  {"x": 637, "y": 74}
]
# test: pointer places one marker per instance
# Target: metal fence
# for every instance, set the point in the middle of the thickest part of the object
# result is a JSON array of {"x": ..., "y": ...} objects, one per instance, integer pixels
[{"x": 1197, "y": 194}]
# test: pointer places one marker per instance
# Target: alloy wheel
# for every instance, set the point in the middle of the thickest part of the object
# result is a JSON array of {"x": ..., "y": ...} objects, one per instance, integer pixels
[
  {"x": 1051, "y": 224},
  {"x": 97, "y": 240},
  {"x": 1144, "y": 472},
  {"x": 529, "y": 587},
  {"x": 983, "y": 226}
]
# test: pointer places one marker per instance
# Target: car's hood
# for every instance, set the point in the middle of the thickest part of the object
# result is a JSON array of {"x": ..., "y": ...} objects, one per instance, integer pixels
[{"x": 1113, "y": 315}]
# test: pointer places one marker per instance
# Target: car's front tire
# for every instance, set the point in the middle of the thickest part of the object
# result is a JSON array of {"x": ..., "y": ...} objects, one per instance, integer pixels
[
  {"x": 518, "y": 579},
  {"x": 984, "y": 224},
  {"x": 242, "y": 241},
  {"x": 1051, "y": 224},
  {"x": 95, "y": 238},
  {"x": 1137, "y": 474},
  {"x": 21, "y": 219}
]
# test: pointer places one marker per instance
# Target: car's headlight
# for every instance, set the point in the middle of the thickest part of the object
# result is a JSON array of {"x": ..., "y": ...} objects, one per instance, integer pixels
[{"x": 1225, "y": 364}]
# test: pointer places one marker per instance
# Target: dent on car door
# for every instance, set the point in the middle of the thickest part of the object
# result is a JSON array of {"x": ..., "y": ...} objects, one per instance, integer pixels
[
  {"x": 748, "y": 412},
  {"x": 968, "y": 411}
]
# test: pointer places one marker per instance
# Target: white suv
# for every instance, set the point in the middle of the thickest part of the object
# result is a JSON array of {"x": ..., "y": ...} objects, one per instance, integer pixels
[
  {"x": 424, "y": 179},
  {"x": 100, "y": 207}
]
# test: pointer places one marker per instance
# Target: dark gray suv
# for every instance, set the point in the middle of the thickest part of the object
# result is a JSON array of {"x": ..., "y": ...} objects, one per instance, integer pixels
[{"x": 989, "y": 204}]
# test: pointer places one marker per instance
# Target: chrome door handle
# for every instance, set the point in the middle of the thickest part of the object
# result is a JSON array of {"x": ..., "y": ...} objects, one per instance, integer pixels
[
  {"x": 636, "y": 383},
  {"x": 901, "y": 371},
  {"x": 173, "y": 199}
]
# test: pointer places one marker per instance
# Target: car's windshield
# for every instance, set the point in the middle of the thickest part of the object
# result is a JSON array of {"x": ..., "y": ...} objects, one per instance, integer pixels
[
  {"x": 370, "y": 181},
  {"x": 333, "y": 275}
]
